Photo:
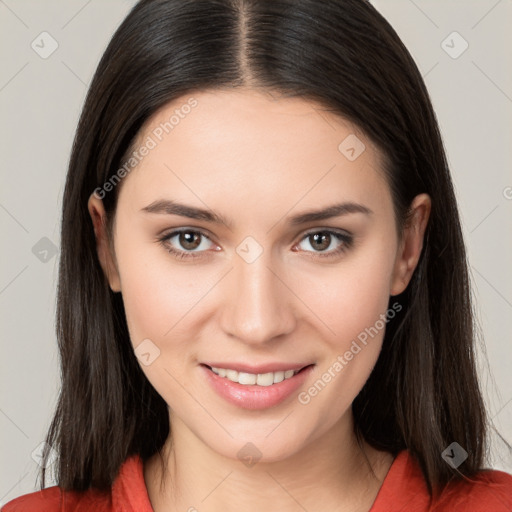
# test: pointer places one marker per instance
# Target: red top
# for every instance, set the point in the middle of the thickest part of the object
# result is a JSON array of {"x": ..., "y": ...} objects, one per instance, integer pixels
[{"x": 403, "y": 490}]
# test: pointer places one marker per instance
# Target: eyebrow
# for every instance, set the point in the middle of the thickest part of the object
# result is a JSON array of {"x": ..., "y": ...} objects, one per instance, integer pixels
[{"x": 168, "y": 207}]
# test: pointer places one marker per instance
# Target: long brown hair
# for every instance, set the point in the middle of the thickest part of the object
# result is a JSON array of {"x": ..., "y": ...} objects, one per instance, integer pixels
[{"x": 423, "y": 393}]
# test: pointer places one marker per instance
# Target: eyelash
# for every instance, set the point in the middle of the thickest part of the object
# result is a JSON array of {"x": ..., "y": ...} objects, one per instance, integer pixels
[{"x": 346, "y": 239}]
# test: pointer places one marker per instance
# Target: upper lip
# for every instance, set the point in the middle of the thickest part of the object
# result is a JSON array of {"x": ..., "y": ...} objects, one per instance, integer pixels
[{"x": 261, "y": 368}]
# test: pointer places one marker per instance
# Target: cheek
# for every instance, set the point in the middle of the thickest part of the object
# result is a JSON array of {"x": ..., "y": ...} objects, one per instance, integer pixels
[
  {"x": 352, "y": 302},
  {"x": 162, "y": 302},
  {"x": 351, "y": 295},
  {"x": 159, "y": 298}
]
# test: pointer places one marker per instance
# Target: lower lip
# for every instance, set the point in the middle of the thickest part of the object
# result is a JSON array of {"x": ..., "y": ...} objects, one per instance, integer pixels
[{"x": 255, "y": 397}]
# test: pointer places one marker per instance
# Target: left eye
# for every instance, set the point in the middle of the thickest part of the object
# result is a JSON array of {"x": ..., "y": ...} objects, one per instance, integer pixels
[{"x": 321, "y": 241}]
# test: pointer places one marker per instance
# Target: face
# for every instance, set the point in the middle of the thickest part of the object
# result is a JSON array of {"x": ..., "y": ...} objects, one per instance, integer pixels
[{"x": 256, "y": 282}]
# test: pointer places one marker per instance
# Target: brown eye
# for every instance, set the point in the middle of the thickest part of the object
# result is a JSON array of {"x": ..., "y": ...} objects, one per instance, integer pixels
[
  {"x": 323, "y": 240},
  {"x": 186, "y": 243},
  {"x": 189, "y": 240},
  {"x": 320, "y": 241}
]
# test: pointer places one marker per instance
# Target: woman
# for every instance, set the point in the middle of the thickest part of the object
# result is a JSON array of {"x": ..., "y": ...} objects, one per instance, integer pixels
[{"x": 263, "y": 294}]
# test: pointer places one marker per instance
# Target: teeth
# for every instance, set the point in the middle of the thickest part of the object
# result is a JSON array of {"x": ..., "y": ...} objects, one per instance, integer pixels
[{"x": 251, "y": 379}]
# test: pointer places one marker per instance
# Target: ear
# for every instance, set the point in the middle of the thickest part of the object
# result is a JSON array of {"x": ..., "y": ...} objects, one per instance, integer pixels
[
  {"x": 105, "y": 256},
  {"x": 411, "y": 245}
]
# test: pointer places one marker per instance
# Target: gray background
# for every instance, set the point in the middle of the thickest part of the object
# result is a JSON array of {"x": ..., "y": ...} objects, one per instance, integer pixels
[{"x": 40, "y": 101}]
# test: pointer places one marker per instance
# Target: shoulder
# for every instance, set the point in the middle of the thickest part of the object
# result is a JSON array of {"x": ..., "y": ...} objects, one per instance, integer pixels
[
  {"x": 404, "y": 488},
  {"x": 53, "y": 499},
  {"x": 487, "y": 490},
  {"x": 128, "y": 493}
]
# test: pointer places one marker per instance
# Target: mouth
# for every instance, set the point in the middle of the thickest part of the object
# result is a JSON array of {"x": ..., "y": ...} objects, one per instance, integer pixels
[
  {"x": 263, "y": 379},
  {"x": 247, "y": 390}
]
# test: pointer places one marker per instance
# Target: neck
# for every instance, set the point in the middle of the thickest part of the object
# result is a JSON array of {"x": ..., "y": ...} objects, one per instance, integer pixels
[{"x": 331, "y": 472}]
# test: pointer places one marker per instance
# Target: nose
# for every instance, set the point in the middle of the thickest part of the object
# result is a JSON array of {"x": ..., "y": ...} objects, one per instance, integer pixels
[{"x": 258, "y": 305}]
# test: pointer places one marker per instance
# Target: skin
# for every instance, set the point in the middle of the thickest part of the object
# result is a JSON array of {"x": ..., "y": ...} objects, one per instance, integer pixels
[{"x": 257, "y": 160}]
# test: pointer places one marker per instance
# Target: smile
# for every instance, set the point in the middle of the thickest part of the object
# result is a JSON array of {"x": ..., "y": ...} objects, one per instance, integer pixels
[
  {"x": 255, "y": 390},
  {"x": 251, "y": 379}
]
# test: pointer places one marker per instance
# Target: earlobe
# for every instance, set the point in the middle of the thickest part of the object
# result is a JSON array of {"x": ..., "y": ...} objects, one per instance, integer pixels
[
  {"x": 411, "y": 245},
  {"x": 105, "y": 256}
]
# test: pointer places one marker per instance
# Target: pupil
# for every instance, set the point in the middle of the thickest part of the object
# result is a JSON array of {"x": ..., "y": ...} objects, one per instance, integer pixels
[
  {"x": 187, "y": 240},
  {"x": 324, "y": 236}
]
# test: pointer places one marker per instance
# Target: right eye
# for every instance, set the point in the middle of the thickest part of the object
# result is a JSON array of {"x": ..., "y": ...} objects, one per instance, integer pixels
[{"x": 190, "y": 241}]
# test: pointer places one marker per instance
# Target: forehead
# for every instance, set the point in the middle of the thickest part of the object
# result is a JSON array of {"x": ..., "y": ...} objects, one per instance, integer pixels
[{"x": 255, "y": 148}]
